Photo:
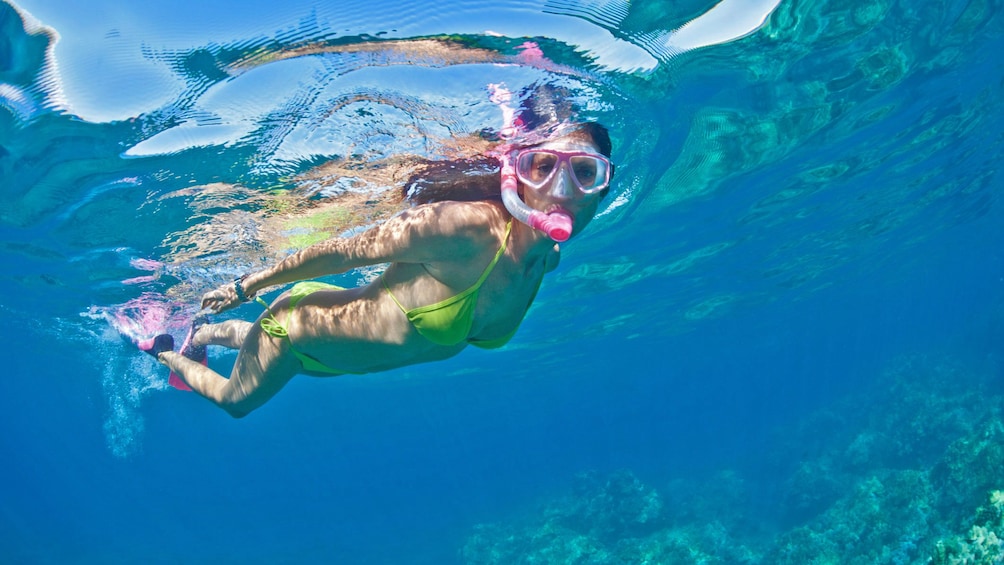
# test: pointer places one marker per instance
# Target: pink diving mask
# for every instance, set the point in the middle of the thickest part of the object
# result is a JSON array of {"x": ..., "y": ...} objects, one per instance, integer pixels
[{"x": 538, "y": 167}]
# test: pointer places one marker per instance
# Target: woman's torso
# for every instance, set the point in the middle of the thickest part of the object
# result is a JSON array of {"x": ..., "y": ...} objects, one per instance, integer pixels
[{"x": 365, "y": 329}]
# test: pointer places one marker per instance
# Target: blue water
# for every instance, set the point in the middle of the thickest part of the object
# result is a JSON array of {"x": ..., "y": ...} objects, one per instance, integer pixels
[{"x": 805, "y": 222}]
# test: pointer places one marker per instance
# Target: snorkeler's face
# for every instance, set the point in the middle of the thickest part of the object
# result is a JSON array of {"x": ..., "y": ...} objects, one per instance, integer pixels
[{"x": 570, "y": 176}]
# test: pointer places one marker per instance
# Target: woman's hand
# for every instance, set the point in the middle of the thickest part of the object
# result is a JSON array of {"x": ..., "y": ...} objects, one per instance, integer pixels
[{"x": 222, "y": 299}]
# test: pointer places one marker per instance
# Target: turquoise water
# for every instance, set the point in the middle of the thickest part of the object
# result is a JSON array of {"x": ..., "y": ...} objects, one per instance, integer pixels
[{"x": 779, "y": 342}]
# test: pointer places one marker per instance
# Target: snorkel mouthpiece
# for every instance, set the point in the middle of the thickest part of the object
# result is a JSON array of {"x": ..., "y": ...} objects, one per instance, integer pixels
[{"x": 557, "y": 225}]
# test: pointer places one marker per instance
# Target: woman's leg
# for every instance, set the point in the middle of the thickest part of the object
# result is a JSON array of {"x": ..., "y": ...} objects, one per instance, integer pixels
[
  {"x": 229, "y": 334},
  {"x": 264, "y": 365}
]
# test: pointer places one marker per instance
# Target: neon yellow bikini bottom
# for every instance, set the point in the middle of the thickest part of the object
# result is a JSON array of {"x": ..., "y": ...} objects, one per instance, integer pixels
[{"x": 275, "y": 328}]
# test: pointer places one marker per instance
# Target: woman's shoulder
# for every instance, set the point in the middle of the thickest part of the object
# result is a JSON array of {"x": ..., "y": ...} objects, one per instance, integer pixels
[
  {"x": 449, "y": 231},
  {"x": 473, "y": 217}
]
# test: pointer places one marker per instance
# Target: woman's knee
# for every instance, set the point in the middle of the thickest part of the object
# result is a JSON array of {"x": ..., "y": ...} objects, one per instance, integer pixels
[
  {"x": 236, "y": 411},
  {"x": 239, "y": 403},
  {"x": 235, "y": 401},
  {"x": 262, "y": 368}
]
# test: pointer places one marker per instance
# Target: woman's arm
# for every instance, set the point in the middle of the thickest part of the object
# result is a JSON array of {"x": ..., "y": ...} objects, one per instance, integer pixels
[{"x": 425, "y": 234}]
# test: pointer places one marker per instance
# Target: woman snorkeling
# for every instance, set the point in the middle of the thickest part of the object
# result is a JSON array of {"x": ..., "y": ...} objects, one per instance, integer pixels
[{"x": 465, "y": 265}]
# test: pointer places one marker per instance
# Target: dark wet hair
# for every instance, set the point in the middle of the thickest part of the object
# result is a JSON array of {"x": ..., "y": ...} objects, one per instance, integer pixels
[
  {"x": 544, "y": 107},
  {"x": 465, "y": 180},
  {"x": 478, "y": 178}
]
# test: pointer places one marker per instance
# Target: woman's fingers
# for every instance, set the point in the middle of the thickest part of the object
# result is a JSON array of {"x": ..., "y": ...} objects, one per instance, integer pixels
[{"x": 219, "y": 299}]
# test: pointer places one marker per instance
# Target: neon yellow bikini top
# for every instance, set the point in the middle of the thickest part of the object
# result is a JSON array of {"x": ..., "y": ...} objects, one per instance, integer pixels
[{"x": 448, "y": 322}]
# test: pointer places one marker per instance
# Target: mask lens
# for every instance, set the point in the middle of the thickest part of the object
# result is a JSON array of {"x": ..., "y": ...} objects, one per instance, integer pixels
[
  {"x": 590, "y": 172},
  {"x": 536, "y": 167}
]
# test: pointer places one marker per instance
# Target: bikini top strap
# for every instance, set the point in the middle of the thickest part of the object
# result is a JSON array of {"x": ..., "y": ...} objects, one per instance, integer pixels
[
  {"x": 498, "y": 255},
  {"x": 473, "y": 288}
]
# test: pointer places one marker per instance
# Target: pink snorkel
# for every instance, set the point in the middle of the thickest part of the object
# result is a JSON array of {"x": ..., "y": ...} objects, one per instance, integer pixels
[{"x": 557, "y": 225}]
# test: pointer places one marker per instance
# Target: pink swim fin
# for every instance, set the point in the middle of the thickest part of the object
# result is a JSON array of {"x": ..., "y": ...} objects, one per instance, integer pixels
[
  {"x": 175, "y": 381},
  {"x": 195, "y": 353}
]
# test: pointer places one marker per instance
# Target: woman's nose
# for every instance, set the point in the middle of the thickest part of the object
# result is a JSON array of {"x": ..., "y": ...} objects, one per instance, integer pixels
[{"x": 562, "y": 187}]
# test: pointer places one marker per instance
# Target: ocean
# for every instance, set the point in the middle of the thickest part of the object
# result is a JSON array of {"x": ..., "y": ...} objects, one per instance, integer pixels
[{"x": 780, "y": 340}]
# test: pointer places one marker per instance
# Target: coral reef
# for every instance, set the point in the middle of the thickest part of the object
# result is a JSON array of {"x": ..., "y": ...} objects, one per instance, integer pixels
[
  {"x": 900, "y": 474},
  {"x": 607, "y": 520},
  {"x": 881, "y": 520},
  {"x": 984, "y": 542},
  {"x": 583, "y": 527}
]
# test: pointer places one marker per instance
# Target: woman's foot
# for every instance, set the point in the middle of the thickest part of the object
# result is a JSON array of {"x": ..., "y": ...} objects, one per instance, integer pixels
[
  {"x": 188, "y": 348},
  {"x": 157, "y": 345},
  {"x": 196, "y": 353}
]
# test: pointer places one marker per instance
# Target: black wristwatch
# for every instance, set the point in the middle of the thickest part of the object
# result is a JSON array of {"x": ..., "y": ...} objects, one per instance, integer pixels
[{"x": 240, "y": 290}]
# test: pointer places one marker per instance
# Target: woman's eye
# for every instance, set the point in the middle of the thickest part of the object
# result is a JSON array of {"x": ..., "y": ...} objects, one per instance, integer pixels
[
  {"x": 543, "y": 167},
  {"x": 585, "y": 173}
]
